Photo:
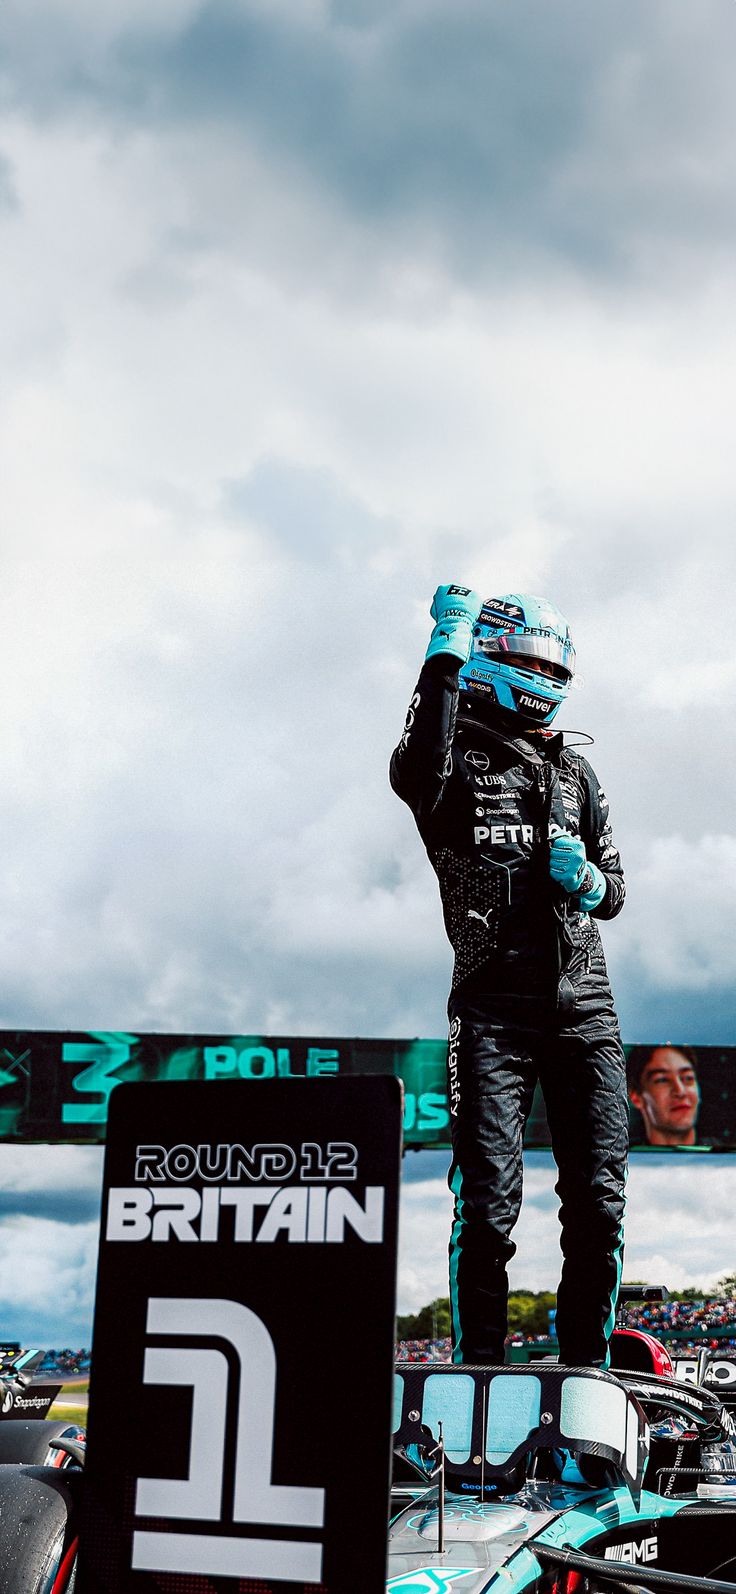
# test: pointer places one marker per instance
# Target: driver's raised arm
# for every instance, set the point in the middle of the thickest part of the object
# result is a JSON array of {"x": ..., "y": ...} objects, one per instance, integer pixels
[{"x": 420, "y": 764}]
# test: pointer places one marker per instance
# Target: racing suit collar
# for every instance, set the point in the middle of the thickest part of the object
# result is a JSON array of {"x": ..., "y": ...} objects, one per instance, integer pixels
[{"x": 536, "y": 744}]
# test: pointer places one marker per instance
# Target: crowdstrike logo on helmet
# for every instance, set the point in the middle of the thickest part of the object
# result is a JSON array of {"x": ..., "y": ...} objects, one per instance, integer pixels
[{"x": 522, "y": 655}]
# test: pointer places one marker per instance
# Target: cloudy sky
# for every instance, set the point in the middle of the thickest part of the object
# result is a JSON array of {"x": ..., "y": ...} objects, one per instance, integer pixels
[{"x": 308, "y": 306}]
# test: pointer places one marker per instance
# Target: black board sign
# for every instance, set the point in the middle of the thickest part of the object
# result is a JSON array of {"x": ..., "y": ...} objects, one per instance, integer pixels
[{"x": 240, "y": 1395}]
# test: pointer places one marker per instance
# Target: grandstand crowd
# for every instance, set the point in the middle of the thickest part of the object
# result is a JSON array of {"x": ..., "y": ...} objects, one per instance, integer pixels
[
  {"x": 685, "y": 1325},
  {"x": 661, "y": 1317},
  {"x": 64, "y": 1364}
]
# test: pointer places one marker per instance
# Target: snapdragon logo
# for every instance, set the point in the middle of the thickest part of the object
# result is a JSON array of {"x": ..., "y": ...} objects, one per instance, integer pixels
[{"x": 233, "y": 1412}]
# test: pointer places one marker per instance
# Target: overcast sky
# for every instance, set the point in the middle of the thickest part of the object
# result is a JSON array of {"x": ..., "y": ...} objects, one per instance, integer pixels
[{"x": 307, "y": 307}]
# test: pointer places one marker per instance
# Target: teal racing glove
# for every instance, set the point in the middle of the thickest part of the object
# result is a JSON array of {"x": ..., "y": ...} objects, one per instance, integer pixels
[
  {"x": 571, "y": 868},
  {"x": 455, "y": 610}
]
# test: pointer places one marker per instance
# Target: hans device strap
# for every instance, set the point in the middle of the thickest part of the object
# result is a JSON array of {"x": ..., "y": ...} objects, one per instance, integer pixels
[{"x": 516, "y": 744}]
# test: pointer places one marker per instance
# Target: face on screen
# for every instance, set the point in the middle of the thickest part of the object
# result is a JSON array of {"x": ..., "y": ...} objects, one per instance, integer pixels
[{"x": 668, "y": 1097}]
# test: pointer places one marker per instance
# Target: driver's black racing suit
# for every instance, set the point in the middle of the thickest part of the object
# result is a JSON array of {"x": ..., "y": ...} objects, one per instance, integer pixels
[{"x": 530, "y": 1000}]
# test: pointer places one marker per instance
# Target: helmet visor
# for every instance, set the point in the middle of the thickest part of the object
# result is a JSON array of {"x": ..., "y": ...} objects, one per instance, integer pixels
[{"x": 548, "y": 649}]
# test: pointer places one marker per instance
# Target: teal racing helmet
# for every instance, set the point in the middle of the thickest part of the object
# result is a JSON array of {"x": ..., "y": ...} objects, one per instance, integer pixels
[{"x": 522, "y": 657}]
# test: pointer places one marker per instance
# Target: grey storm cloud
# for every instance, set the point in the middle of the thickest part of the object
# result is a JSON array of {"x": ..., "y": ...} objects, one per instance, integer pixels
[
  {"x": 8, "y": 193},
  {"x": 69, "y": 1206},
  {"x": 315, "y": 306},
  {"x": 308, "y": 514},
  {"x": 657, "y": 1188},
  {"x": 225, "y": 853},
  {"x": 595, "y": 137}
]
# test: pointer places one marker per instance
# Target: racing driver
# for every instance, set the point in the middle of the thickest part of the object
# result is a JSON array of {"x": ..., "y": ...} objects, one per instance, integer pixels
[{"x": 516, "y": 828}]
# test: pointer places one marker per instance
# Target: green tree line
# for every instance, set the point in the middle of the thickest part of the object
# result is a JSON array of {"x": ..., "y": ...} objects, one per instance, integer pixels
[
  {"x": 529, "y": 1309},
  {"x": 528, "y": 1314}
]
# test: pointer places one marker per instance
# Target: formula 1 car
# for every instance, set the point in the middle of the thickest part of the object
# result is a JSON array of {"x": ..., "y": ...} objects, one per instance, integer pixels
[
  {"x": 542, "y": 1479},
  {"x": 559, "y": 1480},
  {"x": 40, "y": 1477}
]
